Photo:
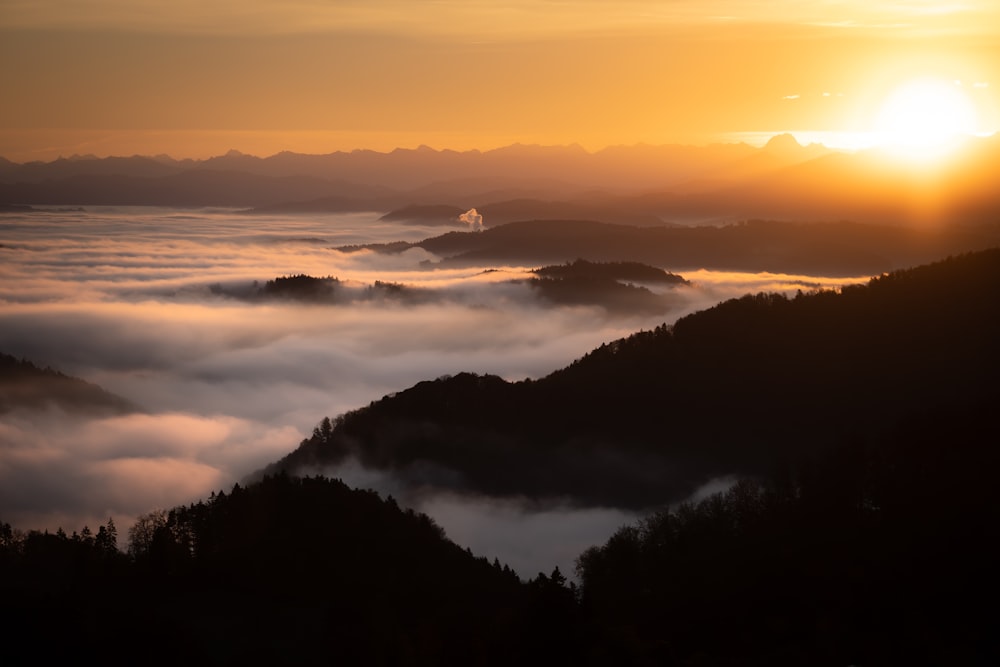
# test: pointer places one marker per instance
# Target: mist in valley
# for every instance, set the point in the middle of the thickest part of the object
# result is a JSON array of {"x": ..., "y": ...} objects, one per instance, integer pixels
[
  {"x": 140, "y": 301},
  {"x": 499, "y": 333}
]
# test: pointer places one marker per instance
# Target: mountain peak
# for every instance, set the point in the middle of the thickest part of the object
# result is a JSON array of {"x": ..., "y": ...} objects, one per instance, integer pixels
[{"x": 783, "y": 143}]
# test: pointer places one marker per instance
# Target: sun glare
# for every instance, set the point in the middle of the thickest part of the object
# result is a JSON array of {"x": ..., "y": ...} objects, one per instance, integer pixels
[{"x": 925, "y": 119}]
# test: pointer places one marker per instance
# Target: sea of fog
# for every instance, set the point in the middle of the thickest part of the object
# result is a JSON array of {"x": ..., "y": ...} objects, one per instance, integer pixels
[{"x": 129, "y": 298}]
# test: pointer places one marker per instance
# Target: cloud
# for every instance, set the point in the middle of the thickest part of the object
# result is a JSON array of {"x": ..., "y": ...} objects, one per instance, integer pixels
[
  {"x": 145, "y": 325},
  {"x": 66, "y": 471},
  {"x": 530, "y": 540},
  {"x": 528, "y": 536},
  {"x": 120, "y": 297},
  {"x": 473, "y": 219}
]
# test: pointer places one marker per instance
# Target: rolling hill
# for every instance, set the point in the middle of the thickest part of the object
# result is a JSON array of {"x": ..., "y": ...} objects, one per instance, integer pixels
[
  {"x": 23, "y": 385},
  {"x": 739, "y": 389}
]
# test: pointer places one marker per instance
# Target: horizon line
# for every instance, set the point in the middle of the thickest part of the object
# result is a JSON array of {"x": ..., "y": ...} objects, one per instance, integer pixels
[
  {"x": 838, "y": 141},
  {"x": 752, "y": 139}
]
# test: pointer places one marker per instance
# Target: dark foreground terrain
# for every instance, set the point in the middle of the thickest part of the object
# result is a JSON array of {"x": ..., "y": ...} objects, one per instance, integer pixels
[{"x": 862, "y": 526}]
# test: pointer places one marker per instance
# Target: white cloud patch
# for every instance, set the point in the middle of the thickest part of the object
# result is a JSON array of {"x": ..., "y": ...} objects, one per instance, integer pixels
[
  {"x": 57, "y": 470},
  {"x": 529, "y": 540},
  {"x": 472, "y": 219},
  {"x": 527, "y": 537}
]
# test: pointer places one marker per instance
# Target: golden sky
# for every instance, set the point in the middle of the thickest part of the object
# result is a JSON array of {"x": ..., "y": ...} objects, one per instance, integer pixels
[{"x": 196, "y": 78}]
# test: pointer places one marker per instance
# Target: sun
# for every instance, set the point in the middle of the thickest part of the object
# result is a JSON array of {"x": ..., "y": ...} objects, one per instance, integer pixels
[{"x": 925, "y": 119}]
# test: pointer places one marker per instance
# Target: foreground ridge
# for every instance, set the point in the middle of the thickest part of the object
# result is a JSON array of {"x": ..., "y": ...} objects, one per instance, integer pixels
[{"x": 735, "y": 389}]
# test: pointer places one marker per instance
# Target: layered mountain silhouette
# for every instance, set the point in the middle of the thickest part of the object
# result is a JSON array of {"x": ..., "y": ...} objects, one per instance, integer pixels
[
  {"x": 636, "y": 185},
  {"x": 739, "y": 389}
]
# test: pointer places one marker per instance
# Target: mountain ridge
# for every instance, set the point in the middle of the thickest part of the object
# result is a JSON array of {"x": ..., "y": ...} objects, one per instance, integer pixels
[
  {"x": 816, "y": 248},
  {"x": 24, "y": 385},
  {"x": 691, "y": 184},
  {"x": 637, "y": 422}
]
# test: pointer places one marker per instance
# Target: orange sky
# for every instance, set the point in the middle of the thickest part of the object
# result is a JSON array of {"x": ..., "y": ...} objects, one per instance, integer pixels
[{"x": 196, "y": 78}]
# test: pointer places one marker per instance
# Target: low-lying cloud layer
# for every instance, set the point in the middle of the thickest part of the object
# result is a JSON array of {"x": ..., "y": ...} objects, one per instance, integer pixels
[{"x": 122, "y": 298}]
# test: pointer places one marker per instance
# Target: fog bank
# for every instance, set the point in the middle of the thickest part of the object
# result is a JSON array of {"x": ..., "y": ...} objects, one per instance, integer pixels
[{"x": 123, "y": 298}]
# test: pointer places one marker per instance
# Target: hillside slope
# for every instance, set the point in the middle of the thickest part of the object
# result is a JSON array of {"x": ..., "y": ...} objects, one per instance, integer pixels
[
  {"x": 285, "y": 571},
  {"x": 823, "y": 248},
  {"x": 23, "y": 385},
  {"x": 737, "y": 389}
]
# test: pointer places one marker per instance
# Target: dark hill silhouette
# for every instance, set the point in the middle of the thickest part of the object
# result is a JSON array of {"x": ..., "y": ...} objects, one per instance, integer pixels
[
  {"x": 611, "y": 285},
  {"x": 621, "y": 271},
  {"x": 832, "y": 248},
  {"x": 286, "y": 571},
  {"x": 620, "y": 288},
  {"x": 23, "y": 385},
  {"x": 881, "y": 551},
  {"x": 731, "y": 390},
  {"x": 300, "y": 288},
  {"x": 428, "y": 214}
]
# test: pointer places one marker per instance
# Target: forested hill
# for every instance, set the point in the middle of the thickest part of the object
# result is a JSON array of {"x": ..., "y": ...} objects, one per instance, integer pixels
[
  {"x": 285, "y": 571},
  {"x": 741, "y": 388},
  {"x": 23, "y": 385}
]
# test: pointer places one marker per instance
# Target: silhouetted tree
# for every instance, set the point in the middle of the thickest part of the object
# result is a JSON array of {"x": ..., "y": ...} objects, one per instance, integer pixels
[
  {"x": 143, "y": 531},
  {"x": 107, "y": 537}
]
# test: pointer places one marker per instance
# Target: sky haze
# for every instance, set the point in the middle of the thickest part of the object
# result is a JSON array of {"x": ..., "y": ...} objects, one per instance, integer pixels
[{"x": 196, "y": 79}]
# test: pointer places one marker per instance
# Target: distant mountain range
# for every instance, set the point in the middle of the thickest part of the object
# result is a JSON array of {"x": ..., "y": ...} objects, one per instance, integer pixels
[
  {"x": 743, "y": 388},
  {"x": 639, "y": 185}
]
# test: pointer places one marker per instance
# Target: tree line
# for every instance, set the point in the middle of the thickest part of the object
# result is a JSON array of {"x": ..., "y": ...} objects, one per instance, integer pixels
[
  {"x": 288, "y": 570},
  {"x": 879, "y": 550}
]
